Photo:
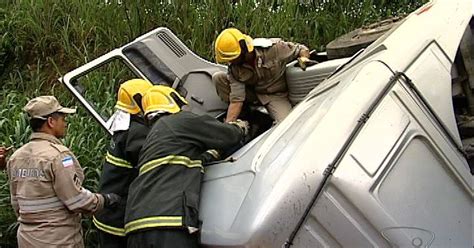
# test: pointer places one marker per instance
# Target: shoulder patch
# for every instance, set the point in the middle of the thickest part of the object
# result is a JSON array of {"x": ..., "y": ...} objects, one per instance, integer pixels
[
  {"x": 60, "y": 148},
  {"x": 67, "y": 161}
]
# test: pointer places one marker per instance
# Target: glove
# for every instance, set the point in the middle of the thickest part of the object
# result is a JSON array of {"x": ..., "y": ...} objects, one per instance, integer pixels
[
  {"x": 304, "y": 62},
  {"x": 111, "y": 200},
  {"x": 244, "y": 125}
]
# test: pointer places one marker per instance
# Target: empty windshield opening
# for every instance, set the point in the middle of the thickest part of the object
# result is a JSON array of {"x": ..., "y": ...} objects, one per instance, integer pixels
[{"x": 99, "y": 87}]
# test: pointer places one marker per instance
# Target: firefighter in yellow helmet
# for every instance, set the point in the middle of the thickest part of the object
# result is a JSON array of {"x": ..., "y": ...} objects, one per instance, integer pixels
[
  {"x": 119, "y": 169},
  {"x": 162, "y": 207},
  {"x": 256, "y": 69}
]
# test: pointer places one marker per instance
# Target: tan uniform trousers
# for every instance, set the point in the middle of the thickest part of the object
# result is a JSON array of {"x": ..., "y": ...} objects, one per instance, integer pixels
[
  {"x": 278, "y": 105},
  {"x": 27, "y": 240}
]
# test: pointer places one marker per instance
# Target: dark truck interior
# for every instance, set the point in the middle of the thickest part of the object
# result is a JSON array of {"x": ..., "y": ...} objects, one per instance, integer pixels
[{"x": 462, "y": 90}]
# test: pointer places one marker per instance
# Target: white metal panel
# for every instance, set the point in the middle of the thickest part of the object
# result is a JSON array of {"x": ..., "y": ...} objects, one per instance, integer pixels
[
  {"x": 431, "y": 74},
  {"x": 174, "y": 53},
  {"x": 432, "y": 201},
  {"x": 439, "y": 21},
  {"x": 387, "y": 125},
  {"x": 415, "y": 196}
]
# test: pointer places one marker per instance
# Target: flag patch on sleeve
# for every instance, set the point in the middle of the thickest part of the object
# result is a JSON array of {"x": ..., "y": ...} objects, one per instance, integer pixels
[{"x": 67, "y": 162}]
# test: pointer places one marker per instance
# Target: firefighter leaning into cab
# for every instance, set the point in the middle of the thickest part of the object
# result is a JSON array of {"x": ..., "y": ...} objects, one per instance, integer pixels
[
  {"x": 119, "y": 170},
  {"x": 256, "y": 72},
  {"x": 46, "y": 182},
  {"x": 162, "y": 207}
]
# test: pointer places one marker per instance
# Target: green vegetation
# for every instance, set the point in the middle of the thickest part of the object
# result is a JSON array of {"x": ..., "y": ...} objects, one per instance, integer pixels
[{"x": 42, "y": 39}]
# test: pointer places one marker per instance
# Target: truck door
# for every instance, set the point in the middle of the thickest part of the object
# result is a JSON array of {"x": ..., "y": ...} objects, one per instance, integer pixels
[
  {"x": 402, "y": 182},
  {"x": 158, "y": 56}
]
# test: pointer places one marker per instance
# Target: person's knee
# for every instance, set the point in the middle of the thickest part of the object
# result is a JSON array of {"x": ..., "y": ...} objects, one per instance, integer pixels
[
  {"x": 279, "y": 109},
  {"x": 279, "y": 114}
]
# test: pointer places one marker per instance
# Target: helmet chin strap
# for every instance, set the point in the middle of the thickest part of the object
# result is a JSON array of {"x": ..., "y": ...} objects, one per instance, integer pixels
[
  {"x": 243, "y": 49},
  {"x": 138, "y": 100},
  {"x": 243, "y": 46}
]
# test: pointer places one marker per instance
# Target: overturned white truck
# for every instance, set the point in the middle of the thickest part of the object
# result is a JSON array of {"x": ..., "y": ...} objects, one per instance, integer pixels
[{"x": 371, "y": 157}]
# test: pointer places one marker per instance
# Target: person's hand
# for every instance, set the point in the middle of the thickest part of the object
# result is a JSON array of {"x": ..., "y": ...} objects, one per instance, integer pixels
[
  {"x": 304, "y": 62},
  {"x": 243, "y": 125},
  {"x": 3, "y": 154},
  {"x": 111, "y": 200}
]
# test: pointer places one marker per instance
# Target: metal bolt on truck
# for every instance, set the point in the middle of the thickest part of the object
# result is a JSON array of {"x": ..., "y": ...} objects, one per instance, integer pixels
[{"x": 375, "y": 153}]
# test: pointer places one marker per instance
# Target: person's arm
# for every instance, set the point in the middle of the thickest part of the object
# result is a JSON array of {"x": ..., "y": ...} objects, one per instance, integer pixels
[
  {"x": 233, "y": 111},
  {"x": 236, "y": 98},
  {"x": 68, "y": 187},
  {"x": 289, "y": 51},
  {"x": 214, "y": 134},
  {"x": 117, "y": 171}
]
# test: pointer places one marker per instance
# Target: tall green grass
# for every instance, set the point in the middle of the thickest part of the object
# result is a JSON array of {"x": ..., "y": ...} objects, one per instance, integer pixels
[{"x": 42, "y": 39}]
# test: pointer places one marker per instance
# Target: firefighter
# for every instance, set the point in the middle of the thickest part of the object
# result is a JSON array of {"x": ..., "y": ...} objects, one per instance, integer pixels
[
  {"x": 119, "y": 170},
  {"x": 162, "y": 207},
  {"x": 46, "y": 182},
  {"x": 256, "y": 72}
]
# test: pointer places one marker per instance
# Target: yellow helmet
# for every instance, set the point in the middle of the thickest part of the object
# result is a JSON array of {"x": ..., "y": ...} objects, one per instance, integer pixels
[
  {"x": 126, "y": 93},
  {"x": 228, "y": 45},
  {"x": 163, "y": 99}
]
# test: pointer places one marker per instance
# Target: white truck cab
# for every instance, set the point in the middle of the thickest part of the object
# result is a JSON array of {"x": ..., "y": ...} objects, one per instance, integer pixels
[{"x": 371, "y": 156}]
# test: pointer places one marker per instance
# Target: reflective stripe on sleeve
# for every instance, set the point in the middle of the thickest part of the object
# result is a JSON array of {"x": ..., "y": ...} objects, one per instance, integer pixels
[
  {"x": 108, "y": 229},
  {"x": 173, "y": 160},
  {"x": 214, "y": 153},
  {"x": 117, "y": 161},
  {"x": 37, "y": 205},
  {"x": 157, "y": 221},
  {"x": 80, "y": 200}
]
